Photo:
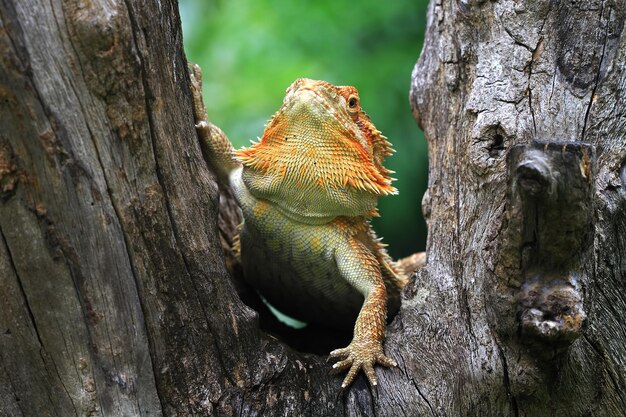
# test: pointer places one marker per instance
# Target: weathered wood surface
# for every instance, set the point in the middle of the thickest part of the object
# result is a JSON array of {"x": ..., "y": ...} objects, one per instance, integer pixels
[
  {"x": 493, "y": 75},
  {"x": 114, "y": 295}
]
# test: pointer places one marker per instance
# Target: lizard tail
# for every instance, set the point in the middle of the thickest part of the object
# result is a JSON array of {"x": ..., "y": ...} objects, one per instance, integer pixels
[{"x": 217, "y": 150}]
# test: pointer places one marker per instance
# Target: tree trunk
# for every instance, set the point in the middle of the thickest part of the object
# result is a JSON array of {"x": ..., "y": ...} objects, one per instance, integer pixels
[
  {"x": 527, "y": 241},
  {"x": 115, "y": 297}
]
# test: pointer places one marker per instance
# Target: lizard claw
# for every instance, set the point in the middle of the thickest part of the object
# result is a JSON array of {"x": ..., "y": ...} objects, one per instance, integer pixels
[{"x": 361, "y": 355}]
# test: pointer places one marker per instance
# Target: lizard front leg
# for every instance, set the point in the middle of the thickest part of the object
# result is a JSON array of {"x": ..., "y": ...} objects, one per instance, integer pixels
[
  {"x": 216, "y": 147},
  {"x": 361, "y": 269}
]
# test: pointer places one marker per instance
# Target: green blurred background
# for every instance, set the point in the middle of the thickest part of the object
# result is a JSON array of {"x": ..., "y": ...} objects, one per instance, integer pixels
[{"x": 252, "y": 50}]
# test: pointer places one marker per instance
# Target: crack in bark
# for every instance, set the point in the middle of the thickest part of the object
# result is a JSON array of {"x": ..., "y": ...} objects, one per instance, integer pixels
[
  {"x": 530, "y": 90},
  {"x": 59, "y": 375},
  {"x": 464, "y": 302},
  {"x": 515, "y": 41},
  {"x": 432, "y": 410},
  {"x": 597, "y": 80},
  {"x": 424, "y": 398},
  {"x": 31, "y": 317},
  {"x": 514, "y": 102},
  {"x": 530, "y": 70},
  {"x": 552, "y": 87},
  {"x": 507, "y": 381},
  {"x": 17, "y": 400},
  {"x": 602, "y": 353}
]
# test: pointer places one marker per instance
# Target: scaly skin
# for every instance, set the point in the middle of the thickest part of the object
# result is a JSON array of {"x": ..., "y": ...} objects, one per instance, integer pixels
[{"x": 306, "y": 191}]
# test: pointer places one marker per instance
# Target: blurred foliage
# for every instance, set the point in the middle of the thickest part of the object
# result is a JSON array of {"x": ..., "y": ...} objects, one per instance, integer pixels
[{"x": 252, "y": 50}]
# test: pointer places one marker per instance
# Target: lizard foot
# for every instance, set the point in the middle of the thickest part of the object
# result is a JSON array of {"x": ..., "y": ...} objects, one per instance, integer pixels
[
  {"x": 363, "y": 354},
  {"x": 195, "y": 76}
]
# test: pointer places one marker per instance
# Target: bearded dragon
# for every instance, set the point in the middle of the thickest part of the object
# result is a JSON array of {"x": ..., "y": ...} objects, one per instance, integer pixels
[{"x": 307, "y": 190}]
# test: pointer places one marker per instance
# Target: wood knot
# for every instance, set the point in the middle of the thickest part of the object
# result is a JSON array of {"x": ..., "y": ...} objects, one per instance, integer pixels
[
  {"x": 551, "y": 313},
  {"x": 534, "y": 173},
  {"x": 487, "y": 149},
  {"x": 546, "y": 245}
]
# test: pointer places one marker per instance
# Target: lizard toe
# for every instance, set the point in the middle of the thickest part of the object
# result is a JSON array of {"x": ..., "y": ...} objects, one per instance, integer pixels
[
  {"x": 386, "y": 361},
  {"x": 362, "y": 354},
  {"x": 340, "y": 353},
  {"x": 352, "y": 373},
  {"x": 342, "y": 365},
  {"x": 368, "y": 368}
]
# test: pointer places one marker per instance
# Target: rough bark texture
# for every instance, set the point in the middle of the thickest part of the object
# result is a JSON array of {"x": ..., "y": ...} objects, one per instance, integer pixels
[
  {"x": 115, "y": 299},
  {"x": 527, "y": 242}
]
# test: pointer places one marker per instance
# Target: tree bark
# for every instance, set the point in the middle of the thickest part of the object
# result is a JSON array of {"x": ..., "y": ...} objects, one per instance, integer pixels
[
  {"x": 114, "y": 292},
  {"x": 523, "y": 109}
]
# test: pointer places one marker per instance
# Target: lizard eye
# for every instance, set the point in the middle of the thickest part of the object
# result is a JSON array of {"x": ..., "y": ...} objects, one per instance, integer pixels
[{"x": 353, "y": 103}]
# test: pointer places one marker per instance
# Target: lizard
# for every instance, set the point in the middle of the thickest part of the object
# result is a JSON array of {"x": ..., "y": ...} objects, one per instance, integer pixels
[{"x": 307, "y": 190}]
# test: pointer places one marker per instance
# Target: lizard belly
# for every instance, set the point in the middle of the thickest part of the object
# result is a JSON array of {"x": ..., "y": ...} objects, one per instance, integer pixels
[{"x": 292, "y": 265}]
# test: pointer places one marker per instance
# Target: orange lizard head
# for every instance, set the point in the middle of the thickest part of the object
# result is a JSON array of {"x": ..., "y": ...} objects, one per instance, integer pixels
[{"x": 320, "y": 155}]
